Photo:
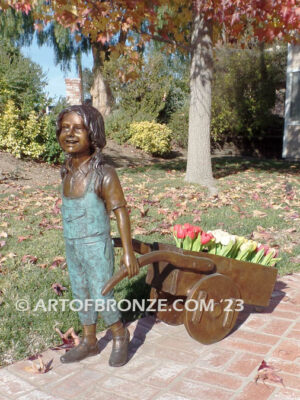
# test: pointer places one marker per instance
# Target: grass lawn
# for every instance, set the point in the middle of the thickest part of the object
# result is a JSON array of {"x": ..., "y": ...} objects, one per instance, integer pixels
[{"x": 257, "y": 199}]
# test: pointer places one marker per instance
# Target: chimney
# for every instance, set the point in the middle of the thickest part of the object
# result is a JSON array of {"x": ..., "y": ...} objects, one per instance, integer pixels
[{"x": 73, "y": 91}]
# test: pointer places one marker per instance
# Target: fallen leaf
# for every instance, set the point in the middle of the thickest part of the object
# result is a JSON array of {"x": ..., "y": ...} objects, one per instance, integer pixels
[
  {"x": 58, "y": 288},
  {"x": 164, "y": 211},
  {"x": 197, "y": 219},
  {"x": 22, "y": 238},
  {"x": 56, "y": 208},
  {"x": 3, "y": 234},
  {"x": 43, "y": 266},
  {"x": 42, "y": 368},
  {"x": 44, "y": 223},
  {"x": 28, "y": 257},
  {"x": 57, "y": 261},
  {"x": 277, "y": 206},
  {"x": 2, "y": 243},
  {"x": 267, "y": 372},
  {"x": 144, "y": 211},
  {"x": 291, "y": 230},
  {"x": 262, "y": 235},
  {"x": 55, "y": 227},
  {"x": 34, "y": 357},
  {"x": 69, "y": 338},
  {"x": 11, "y": 255},
  {"x": 173, "y": 216},
  {"x": 56, "y": 221},
  {"x": 140, "y": 231},
  {"x": 260, "y": 214}
]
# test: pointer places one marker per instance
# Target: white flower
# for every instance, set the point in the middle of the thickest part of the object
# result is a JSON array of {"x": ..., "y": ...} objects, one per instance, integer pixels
[
  {"x": 222, "y": 237},
  {"x": 250, "y": 245}
]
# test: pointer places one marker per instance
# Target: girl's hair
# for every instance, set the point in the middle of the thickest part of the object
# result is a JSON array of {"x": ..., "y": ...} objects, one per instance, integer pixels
[{"x": 94, "y": 124}]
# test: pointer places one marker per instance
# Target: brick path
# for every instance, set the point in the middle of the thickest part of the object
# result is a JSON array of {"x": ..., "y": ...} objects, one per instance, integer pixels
[{"x": 166, "y": 364}]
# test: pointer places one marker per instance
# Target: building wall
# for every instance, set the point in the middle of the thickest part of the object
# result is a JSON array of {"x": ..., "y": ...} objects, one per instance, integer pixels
[{"x": 291, "y": 138}]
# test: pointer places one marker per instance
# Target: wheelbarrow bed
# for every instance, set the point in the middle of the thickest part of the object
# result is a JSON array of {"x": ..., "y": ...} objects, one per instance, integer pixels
[{"x": 255, "y": 282}]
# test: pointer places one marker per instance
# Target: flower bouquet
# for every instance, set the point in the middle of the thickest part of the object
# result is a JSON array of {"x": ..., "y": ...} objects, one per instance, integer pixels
[{"x": 218, "y": 242}]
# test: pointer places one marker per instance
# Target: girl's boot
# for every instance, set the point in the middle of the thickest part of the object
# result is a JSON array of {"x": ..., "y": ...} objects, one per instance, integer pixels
[
  {"x": 86, "y": 348},
  {"x": 119, "y": 353}
]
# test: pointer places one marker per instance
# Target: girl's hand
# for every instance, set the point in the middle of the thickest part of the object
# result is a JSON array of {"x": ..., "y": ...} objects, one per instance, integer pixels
[{"x": 131, "y": 263}]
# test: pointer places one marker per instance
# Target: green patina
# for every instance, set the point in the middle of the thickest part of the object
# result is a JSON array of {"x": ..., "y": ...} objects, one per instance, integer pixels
[{"x": 89, "y": 253}]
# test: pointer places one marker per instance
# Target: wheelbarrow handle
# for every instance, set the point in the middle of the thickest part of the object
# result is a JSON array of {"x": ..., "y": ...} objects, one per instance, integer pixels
[{"x": 181, "y": 261}]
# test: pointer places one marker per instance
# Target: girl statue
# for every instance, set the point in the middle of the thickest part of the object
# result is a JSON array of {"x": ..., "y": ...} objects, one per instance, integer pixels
[{"x": 91, "y": 190}]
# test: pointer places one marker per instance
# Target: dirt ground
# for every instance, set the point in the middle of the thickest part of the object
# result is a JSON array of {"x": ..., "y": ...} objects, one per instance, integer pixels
[{"x": 16, "y": 173}]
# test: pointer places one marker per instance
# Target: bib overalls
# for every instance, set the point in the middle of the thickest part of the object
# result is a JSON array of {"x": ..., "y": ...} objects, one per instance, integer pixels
[{"x": 89, "y": 254}]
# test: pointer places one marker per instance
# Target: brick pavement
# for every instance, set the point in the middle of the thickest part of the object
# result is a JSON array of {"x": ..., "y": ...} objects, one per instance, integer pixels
[{"x": 166, "y": 364}]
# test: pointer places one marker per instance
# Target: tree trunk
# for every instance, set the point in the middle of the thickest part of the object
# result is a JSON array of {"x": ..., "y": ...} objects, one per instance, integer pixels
[
  {"x": 199, "y": 168},
  {"x": 79, "y": 70},
  {"x": 102, "y": 97}
]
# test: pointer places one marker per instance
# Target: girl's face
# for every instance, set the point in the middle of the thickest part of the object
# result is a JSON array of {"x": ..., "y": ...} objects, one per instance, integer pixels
[{"x": 74, "y": 138}]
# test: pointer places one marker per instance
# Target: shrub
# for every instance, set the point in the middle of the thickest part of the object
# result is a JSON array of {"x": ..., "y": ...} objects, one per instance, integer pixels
[
  {"x": 223, "y": 119},
  {"x": 117, "y": 126},
  {"x": 151, "y": 137},
  {"x": 175, "y": 101},
  {"x": 10, "y": 128},
  {"x": 244, "y": 92},
  {"x": 118, "y": 123},
  {"x": 157, "y": 89},
  {"x": 32, "y": 142},
  {"x": 23, "y": 124},
  {"x": 146, "y": 93},
  {"x": 179, "y": 125},
  {"x": 21, "y": 81},
  {"x": 22, "y": 137},
  {"x": 243, "y": 97},
  {"x": 53, "y": 153}
]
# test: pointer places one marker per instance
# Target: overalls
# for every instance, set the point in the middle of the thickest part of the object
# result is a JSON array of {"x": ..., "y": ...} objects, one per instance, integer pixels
[{"x": 89, "y": 253}]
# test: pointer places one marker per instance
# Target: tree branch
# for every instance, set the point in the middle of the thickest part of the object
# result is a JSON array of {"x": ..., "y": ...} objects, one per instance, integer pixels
[{"x": 164, "y": 40}]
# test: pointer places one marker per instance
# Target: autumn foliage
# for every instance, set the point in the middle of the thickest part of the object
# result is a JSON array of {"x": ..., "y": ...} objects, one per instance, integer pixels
[{"x": 167, "y": 21}]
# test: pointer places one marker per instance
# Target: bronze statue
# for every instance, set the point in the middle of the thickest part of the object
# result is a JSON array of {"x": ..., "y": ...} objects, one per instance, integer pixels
[
  {"x": 182, "y": 278},
  {"x": 91, "y": 190}
]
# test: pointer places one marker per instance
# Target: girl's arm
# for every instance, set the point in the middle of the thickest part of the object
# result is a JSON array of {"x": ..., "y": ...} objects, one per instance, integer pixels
[
  {"x": 113, "y": 196},
  {"x": 129, "y": 258}
]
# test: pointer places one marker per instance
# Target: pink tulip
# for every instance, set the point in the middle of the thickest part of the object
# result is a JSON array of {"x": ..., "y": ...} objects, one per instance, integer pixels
[
  {"x": 206, "y": 237},
  {"x": 176, "y": 227},
  {"x": 181, "y": 233},
  {"x": 197, "y": 229},
  {"x": 263, "y": 247},
  {"x": 191, "y": 233},
  {"x": 187, "y": 226}
]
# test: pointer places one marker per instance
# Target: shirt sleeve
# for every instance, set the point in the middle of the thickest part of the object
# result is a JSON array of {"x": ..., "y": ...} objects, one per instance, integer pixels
[{"x": 111, "y": 190}]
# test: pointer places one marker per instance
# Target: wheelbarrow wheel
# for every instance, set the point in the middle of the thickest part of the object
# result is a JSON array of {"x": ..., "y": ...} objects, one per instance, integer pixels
[
  {"x": 211, "y": 308},
  {"x": 166, "y": 311}
]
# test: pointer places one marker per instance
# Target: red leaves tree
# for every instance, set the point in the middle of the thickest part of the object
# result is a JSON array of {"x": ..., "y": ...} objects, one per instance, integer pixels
[{"x": 188, "y": 26}]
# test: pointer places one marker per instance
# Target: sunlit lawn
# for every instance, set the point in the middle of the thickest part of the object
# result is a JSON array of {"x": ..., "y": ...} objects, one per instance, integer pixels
[{"x": 257, "y": 199}]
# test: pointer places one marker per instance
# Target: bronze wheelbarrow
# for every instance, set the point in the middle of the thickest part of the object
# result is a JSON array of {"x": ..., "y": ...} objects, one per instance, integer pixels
[{"x": 204, "y": 292}]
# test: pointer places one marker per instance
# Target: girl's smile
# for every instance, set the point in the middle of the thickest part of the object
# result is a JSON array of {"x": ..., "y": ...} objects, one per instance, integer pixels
[{"x": 74, "y": 137}]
